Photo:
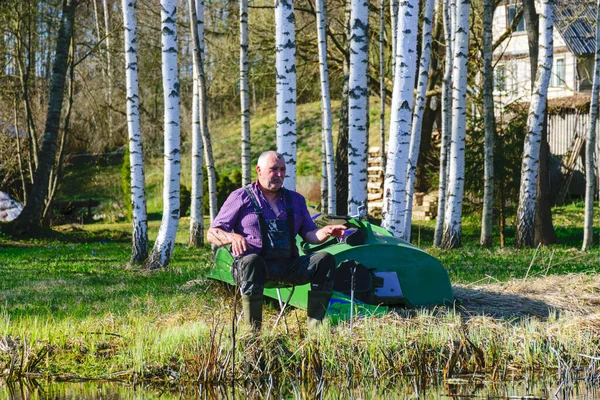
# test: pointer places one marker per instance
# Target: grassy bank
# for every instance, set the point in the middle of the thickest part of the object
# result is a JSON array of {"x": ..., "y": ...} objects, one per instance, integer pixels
[{"x": 71, "y": 309}]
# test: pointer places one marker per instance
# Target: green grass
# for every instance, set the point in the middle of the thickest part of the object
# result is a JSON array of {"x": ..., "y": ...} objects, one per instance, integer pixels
[{"x": 82, "y": 313}]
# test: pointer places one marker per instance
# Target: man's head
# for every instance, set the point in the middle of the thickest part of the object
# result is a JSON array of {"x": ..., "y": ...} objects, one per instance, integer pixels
[{"x": 271, "y": 170}]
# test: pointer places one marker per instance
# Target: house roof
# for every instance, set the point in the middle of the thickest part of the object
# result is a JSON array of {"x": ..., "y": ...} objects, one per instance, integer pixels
[{"x": 576, "y": 23}]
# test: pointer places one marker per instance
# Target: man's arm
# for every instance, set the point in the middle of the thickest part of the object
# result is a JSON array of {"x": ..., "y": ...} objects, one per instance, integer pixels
[
  {"x": 219, "y": 237},
  {"x": 320, "y": 235}
]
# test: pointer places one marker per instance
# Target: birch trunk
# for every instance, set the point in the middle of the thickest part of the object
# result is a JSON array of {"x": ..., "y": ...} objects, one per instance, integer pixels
[
  {"x": 326, "y": 108},
  {"x": 196, "y": 238},
  {"x": 419, "y": 109},
  {"x": 489, "y": 126},
  {"x": 19, "y": 153},
  {"x": 197, "y": 28},
  {"x": 590, "y": 144},
  {"x": 245, "y": 94},
  {"x": 535, "y": 123},
  {"x": 453, "y": 215},
  {"x": 446, "y": 120},
  {"x": 165, "y": 242},
  {"x": 358, "y": 106},
  {"x": 285, "y": 65},
  {"x": 394, "y": 187},
  {"x": 139, "y": 251}
]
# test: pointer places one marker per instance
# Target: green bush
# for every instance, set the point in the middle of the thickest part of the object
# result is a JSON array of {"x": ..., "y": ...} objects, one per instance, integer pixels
[{"x": 185, "y": 201}]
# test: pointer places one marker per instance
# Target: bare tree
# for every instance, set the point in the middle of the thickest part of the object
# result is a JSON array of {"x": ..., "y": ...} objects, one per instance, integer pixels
[
  {"x": 31, "y": 216},
  {"x": 490, "y": 125},
  {"x": 139, "y": 251},
  {"x": 244, "y": 93},
  {"x": 165, "y": 242},
  {"x": 358, "y": 106},
  {"x": 590, "y": 145},
  {"x": 456, "y": 177},
  {"x": 285, "y": 61},
  {"x": 535, "y": 124}
]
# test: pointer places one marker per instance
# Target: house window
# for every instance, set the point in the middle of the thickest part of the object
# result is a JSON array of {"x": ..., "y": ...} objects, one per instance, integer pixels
[
  {"x": 500, "y": 78},
  {"x": 558, "y": 73},
  {"x": 511, "y": 12}
]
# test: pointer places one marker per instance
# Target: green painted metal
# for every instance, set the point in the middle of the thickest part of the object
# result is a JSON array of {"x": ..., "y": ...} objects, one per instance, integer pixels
[{"x": 422, "y": 279}]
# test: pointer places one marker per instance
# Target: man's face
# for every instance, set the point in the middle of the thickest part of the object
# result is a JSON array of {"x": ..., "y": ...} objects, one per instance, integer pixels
[{"x": 271, "y": 174}]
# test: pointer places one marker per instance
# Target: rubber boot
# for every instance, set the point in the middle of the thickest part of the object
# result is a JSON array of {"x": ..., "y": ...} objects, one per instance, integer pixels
[
  {"x": 252, "y": 306},
  {"x": 318, "y": 301}
]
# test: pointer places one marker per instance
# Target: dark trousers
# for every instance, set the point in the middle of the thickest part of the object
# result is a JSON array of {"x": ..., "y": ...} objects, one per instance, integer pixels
[{"x": 252, "y": 272}]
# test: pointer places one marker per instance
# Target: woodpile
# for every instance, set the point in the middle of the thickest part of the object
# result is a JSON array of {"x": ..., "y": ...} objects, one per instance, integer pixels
[{"x": 424, "y": 205}]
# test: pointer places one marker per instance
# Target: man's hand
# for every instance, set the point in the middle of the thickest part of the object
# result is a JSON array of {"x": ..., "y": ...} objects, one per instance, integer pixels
[
  {"x": 219, "y": 237},
  {"x": 320, "y": 235},
  {"x": 239, "y": 245}
]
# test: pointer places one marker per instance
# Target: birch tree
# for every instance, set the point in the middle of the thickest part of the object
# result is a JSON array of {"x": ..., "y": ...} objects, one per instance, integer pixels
[
  {"x": 590, "y": 145},
  {"x": 197, "y": 28},
  {"x": 489, "y": 125},
  {"x": 535, "y": 123},
  {"x": 327, "y": 136},
  {"x": 419, "y": 108},
  {"x": 447, "y": 10},
  {"x": 394, "y": 186},
  {"x": 245, "y": 94},
  {"x": 453, "y": 214},
  {"x": 285, "y": 66},
  {"x": 358, "y": 106},
  {"x": 165, "y": 242},
  {"x": 196, "y": 238},
  {"x": 139, "y": 251}
]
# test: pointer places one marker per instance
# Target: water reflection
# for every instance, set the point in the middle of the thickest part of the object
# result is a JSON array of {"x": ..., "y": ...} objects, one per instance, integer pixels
[{"x": 407, "y": 388}]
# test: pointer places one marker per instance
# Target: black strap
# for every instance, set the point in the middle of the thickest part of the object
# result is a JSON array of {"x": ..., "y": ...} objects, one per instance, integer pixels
[
  {"x": 261, "y": 218},
  {"x": 290, "y": 217}
]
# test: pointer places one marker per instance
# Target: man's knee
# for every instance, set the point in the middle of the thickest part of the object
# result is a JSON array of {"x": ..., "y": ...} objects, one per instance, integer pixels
[
  {"x": 324, "y": 264},
  {"x": 250, "y": 273}
]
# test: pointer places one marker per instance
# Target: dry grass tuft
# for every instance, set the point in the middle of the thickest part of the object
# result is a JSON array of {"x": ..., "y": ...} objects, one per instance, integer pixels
[{"x": 577, "y": 295}]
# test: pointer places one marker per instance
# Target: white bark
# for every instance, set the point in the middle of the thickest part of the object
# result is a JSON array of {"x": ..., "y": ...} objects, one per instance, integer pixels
[
  {"x": 358, "y": 106},
  {"x": 394, "y": 187},
  {"x": 489, "y": 126},
  {"x": 419, "y": 108},
  {"x": 165, "y": 242},
  {"x": 285, "y": 66},
  {"x": 139, "y": 251},
  {"x": 326, "y": 108},
  {"x": 245, "y": 94},
  {"x": 197, "y": 27},
  {"x": 453, "y": 214},
  {"x": 447, "y": 10},
  {"x": 535, "y": 123},
  {"x": 590, "y": 144}
]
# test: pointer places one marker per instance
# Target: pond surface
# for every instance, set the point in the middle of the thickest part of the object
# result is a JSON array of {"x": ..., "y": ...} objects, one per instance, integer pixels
[{"x": 405, "y": 389}]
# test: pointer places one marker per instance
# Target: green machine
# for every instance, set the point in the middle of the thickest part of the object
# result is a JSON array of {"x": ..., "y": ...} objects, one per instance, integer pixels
[{"x": 375, "y": 271}]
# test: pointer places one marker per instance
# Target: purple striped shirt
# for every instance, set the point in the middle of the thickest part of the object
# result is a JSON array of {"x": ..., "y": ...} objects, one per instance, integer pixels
[{"x": 237, "y": 215}]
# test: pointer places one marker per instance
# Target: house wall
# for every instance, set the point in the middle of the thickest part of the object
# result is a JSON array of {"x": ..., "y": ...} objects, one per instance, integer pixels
[{"x": 513, "y": 57}]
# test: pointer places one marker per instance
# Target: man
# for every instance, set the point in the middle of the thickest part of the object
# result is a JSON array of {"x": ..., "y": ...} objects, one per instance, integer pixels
[{"x": 260, "y": 222}]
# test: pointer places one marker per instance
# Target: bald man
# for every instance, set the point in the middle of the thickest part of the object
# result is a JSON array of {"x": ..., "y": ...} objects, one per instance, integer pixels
[{"x": 260, "y": 222}]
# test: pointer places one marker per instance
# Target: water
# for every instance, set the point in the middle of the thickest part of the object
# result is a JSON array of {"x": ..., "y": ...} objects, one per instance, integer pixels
[{"x": 404, "y": 389}]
